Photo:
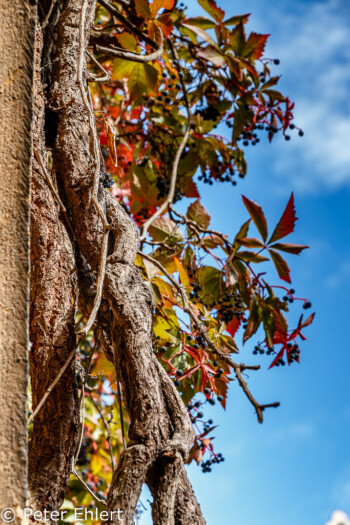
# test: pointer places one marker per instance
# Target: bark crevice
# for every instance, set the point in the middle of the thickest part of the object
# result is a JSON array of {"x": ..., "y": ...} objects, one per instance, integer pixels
[{"x": 160, "y": 431}]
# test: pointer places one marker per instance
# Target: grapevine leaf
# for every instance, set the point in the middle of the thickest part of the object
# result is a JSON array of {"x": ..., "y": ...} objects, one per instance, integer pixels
[
  {"x": 202, "y": 22},
  {"x": 182, "y": 273},
  {"x": 237, "y": 39},
  {"x": 253, "y": 321},
  {"x": 289, "y": 247},
  {"x": 201, "y": 33},
  {"x": 281, "y": 266},
  {"x": 164, "y": 229},
  {"x": 251, "y": 257},
  {"x": 212, "y": 9},
  {"x": 142, "y": 8},
  {"x": 286, "y": 223},
  {"x": 234, "y": 20},
  {"x": 254, "y": 47},
  {"x": 251, "y": 242},
  {"x": 257, "y": 215},
  {"x": 232, "y": 326},
  {"x": 161, "y": 4},
  {"x": 198, "y": 214}
]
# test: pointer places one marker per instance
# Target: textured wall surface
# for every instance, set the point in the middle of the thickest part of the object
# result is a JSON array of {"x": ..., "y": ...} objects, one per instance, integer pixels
[{"x": 17, "y": 27}]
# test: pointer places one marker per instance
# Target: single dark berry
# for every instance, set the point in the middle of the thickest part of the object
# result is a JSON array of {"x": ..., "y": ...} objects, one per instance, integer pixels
[
  {"x": 207, "y": 391},
  {"x": 200, "y": 414},
  {"x": 220, "y": 398},
  {"x": 177, "y": 382},
  {"x": 211, "y": 401},
  {"x": 277, "y": 61},
  {"x": 179, "y": 372}
]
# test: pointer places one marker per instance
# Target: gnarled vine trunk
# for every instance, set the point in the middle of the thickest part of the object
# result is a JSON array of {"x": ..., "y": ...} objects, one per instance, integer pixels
[{"x": 160, "y": 433}]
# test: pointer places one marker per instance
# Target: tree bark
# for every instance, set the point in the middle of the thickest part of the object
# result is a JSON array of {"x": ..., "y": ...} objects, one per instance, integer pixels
[
  {"x": 52, "y": 309},
  {"x": 160, "y": 432},
  {"x": 17, "y": 29}
]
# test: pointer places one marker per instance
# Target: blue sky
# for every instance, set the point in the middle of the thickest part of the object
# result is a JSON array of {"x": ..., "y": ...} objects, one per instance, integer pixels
[{"x": 295, "y": 468}]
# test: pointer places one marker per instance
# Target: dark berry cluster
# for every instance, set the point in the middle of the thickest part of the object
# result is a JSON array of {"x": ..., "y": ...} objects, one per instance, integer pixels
[
  {"x": 222, "y": 172},
  {"x": 106, "y": 180},
  {"x": 206, "y": 465},
  {"x": 293, "y": 352},
  {"x": 289, "y": 296},
  {"x": 85, "y": 449},
  {"x": 230, "y": 306},
  {"x": 280, "y": 362},
  {"x": 194, "y": 413},
  {"x": 196, "y": 288}
]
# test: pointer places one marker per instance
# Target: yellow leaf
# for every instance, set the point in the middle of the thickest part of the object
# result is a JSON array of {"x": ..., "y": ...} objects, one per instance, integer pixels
[{"x": 182, "y": 273}]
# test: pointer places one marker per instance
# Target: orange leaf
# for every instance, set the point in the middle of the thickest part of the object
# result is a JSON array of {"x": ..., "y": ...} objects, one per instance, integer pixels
[{"x": 161, "y": 4}]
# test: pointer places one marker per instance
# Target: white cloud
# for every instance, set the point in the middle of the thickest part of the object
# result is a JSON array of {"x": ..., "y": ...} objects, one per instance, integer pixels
[
  {"x": 312, "y": 42},
  {"x": 338, "y": 518}
]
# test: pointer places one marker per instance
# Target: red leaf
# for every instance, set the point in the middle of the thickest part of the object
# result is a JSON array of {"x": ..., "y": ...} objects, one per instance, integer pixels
[
  {"x": 289, "y": 247},
  {"x": 286, "y": 223},
  {"x": 233, "y": 326},
  {"x": 255, "y": 45},
  {"x": 307, "y": 322},
  {"x": 278, "y": 356},
  {"x": 258, "y": 216},
  {"x": 281, "y": 266},
  {"x": 166, "y": 24}
]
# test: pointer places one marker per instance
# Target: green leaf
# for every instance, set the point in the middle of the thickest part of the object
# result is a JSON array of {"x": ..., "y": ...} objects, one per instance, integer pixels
[
  {"x": 201, "y": 33},
  {"x": 251, "y": 257},
  {"x": 251, "y": 242},
  {"x": 271, "y": 82},
  {"x": 212, "y": 9},
  {"x": 275, "y": 94},
  {"x": 243, "y": 230},
  {"x": 163, "y": 229},
  {"x": 201, "y": 22},
  {"x": 234, "y": 20},
  {"x": 281, "y": 266},
  {"x": 253, "y": 320},
  {"x": 211, "y": 54},
  {"x": 237, "y": 39},
  {"x": 141, "y": 77},
  {"x": 289, "y": 247},
  {"x": 210, "y": 279},
  {"x": 128, "y": 41},
  {"x": 257, "y": 215},
  {"x": 212, "y": 241},
  {"x": 198, "y": 214}
]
